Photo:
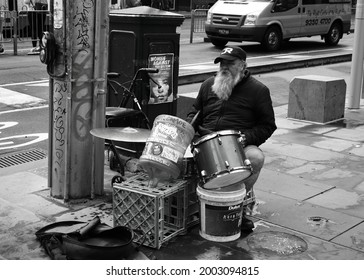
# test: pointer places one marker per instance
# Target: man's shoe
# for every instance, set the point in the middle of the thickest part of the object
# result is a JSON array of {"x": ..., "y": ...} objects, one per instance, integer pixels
[
  {"x": 246, "y": 224},
  {"x": 34, "y": 51}
]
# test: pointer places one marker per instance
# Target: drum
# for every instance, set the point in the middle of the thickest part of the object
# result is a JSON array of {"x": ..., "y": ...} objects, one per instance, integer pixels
[{"x": 220, "y": 159}]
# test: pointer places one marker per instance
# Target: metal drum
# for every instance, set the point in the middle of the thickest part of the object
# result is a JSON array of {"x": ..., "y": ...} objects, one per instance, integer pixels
[
  {"x": 220, "y": 159},
  {"x": 165, "y": 147}
]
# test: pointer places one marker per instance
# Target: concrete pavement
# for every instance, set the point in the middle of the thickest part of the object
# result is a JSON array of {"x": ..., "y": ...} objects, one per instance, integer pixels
[{"x": 309, "y": 195}]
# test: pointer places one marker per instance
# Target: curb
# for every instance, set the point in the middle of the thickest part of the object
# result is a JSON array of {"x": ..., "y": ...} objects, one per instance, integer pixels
[{"x": 185, "y": 79}]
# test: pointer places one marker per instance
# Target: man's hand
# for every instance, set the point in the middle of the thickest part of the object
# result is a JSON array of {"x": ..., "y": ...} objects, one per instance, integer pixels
[{"x": 242, "y": 139}]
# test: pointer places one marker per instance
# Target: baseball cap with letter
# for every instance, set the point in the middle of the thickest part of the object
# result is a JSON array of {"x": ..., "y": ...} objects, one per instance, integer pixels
[{"x": 231, "y": 53}]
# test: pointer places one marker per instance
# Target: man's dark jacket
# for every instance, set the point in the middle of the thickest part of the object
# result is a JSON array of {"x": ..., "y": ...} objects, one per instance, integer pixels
[{"x": 248, "y": 110}]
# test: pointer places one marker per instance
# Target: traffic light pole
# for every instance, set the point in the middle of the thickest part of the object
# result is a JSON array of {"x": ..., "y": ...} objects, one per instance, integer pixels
[{"x": 78, "y": 99}]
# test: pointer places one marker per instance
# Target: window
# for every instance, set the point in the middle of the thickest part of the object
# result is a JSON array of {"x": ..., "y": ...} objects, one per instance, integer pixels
[
  {"x": 285, "y": 5},
  {"x": 314, "y": 2}
]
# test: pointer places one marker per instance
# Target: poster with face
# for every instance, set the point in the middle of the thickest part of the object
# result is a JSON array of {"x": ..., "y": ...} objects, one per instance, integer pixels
[{"x": 161, "y": 84}]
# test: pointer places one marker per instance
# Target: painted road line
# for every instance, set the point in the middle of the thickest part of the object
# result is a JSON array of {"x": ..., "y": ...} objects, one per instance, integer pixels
[
  {"x": 22, "y": 140},
  {"x": 6, "y": 143},
  {"x": 24, "y": 83},
  {"x": 23, "y": 109},
  {"x": 11, "y": 98},
  {"x": 44, "y": 84},
  {"x": 5, "y": 125}
]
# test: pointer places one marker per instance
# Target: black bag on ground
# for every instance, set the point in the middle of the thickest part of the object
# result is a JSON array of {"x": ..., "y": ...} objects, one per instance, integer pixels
[{"x": 93, "y": 240}]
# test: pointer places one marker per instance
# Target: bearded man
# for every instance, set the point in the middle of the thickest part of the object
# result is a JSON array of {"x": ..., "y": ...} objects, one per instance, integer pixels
[{"x": 234, "y": 100}]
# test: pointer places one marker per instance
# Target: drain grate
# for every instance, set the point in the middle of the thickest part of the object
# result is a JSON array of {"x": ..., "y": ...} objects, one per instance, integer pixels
[{"x": 23, "y": 157}]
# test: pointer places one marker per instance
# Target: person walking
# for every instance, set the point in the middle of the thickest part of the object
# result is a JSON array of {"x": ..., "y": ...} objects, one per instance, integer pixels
[
  {"x": 36, "y": 17},
  {"x": 1, "y": 33},
  {"x": 234, "y": 100}
]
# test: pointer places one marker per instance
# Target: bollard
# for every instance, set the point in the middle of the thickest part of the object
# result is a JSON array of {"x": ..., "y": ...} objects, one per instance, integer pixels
[{"x": 316, "y": 98}]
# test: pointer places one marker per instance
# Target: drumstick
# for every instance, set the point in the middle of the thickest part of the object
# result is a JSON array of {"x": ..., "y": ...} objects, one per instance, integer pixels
[{"x": 194, "y": 118}]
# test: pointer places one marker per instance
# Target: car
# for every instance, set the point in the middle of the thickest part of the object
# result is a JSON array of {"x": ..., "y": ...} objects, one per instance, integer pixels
[{"x": 271, "y": 22}]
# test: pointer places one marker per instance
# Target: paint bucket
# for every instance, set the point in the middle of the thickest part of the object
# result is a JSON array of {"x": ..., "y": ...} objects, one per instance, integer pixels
[
  {"x": 162, "y": 157},
  {"x": 221, "y": 213}
]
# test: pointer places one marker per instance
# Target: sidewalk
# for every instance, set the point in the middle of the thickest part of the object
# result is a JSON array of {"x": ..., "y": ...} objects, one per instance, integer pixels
[{"x": 309, "y": 195}]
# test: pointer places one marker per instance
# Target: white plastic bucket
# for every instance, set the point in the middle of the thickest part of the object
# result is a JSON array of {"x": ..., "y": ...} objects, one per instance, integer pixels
[
  {"x": 221, "y": 213},
  {"x": 163, "y": 154}
]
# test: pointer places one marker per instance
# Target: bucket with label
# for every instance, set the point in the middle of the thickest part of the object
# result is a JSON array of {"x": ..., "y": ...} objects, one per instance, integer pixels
[
  {"x": 221, "y": 213},
  {"x": 162, "y": 157}
]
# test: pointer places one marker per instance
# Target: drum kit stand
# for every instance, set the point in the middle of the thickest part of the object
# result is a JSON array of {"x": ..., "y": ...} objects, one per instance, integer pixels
[
  {"x": 122, "y": 134},
  {"x": 217, "y": 159}
]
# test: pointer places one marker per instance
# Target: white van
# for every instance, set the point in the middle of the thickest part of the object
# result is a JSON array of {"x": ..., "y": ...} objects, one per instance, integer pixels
[{"x": 272, "y": 21}]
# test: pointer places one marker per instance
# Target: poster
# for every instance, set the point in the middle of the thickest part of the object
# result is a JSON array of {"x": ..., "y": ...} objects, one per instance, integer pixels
[{"x": 161, "y": 83}]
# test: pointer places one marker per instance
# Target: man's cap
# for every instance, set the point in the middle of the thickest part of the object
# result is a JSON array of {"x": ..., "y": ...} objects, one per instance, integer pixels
[{"x": 231, "y": 53}]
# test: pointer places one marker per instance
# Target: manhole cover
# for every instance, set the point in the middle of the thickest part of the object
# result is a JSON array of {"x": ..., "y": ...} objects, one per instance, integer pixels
[
  {"x": 23, "y": 157},
  {"x": 275, "y": 242}
]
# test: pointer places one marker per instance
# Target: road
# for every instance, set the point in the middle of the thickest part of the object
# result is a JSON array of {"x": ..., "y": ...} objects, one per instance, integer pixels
[{"x": 24, "y": 84}]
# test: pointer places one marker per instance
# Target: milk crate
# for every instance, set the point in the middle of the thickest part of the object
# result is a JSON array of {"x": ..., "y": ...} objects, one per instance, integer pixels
[{"x": 161, "y": 212}]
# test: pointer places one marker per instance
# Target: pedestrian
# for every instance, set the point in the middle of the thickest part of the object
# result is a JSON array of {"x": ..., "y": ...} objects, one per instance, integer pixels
[
  {"x": 37, "y": 14},
  {"x": 1, "y": 33},
  {"x": 234, "y": 100}
]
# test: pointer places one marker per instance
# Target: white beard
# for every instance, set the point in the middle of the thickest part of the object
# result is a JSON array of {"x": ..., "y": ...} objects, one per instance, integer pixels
[{"x": 224, "y": 83}]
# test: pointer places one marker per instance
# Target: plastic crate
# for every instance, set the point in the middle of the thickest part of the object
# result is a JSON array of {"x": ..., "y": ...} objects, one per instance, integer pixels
[{"x": 161, "y": 212}]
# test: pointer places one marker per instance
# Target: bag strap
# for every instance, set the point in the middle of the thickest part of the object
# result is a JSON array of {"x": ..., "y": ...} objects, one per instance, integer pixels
[
  {"x": 82, "y": 232},
  {"x": 53, "y": 247}
]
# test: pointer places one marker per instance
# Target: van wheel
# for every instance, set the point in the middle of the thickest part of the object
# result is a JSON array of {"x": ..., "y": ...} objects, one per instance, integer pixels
[
  {"x": 219, "y": 42},
  {"x": 272, "y": 40},
  {"x": 334, "y": 35}
]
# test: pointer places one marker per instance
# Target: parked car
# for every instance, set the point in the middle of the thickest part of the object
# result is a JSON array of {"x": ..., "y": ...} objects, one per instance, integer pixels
[{"x": 271, "y": 22}]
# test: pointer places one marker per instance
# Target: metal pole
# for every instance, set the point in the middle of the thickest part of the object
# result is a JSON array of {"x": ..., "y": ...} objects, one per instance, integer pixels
[
  {"x": 50, "y": 109},
  {"x": 59, "y": 140},
  {"x": 15, "y": 16},
  {"x": 69, "y": 31},
  {"x": 192, "y": 25},
  {"x": 99, "y": 98},
  {"x": 78, "y": 97},
  {"x": 356, "y": 77},
  {"x": 81, "y": 57}
]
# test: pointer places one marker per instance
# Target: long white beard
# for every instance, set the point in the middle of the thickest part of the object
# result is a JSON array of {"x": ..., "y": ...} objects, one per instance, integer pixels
[{"x": 224, "y": 83}]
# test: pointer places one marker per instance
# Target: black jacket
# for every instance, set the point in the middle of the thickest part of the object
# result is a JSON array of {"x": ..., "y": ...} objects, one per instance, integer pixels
[{"x": 248, "y": 110}]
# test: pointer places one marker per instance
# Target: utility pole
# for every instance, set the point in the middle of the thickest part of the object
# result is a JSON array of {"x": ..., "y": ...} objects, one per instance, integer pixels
[
  {"x": 78, "y": 98},
  {"x": 356, "y": 77}
]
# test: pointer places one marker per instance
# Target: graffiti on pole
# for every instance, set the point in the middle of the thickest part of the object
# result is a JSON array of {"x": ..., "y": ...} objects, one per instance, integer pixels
[
  {"x": 81, "y": 21},
  {"x": 59, "y": 121}
]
